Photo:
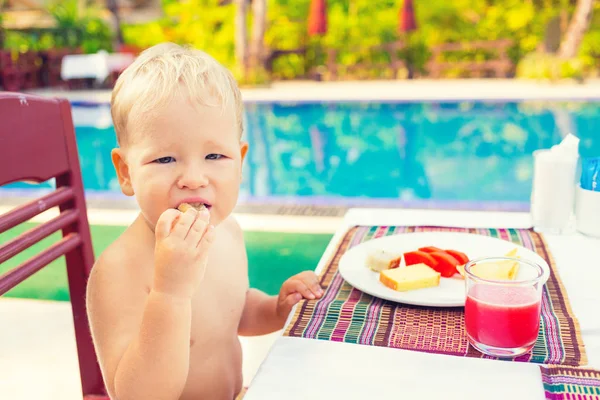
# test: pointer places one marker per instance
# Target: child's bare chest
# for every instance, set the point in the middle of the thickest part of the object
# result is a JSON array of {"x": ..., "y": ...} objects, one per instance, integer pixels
[
  {"x": 219, "y": 301},
  {"x": 215, "y": 351}
]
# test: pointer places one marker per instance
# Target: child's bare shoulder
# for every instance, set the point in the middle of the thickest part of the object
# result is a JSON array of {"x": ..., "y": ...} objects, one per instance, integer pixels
[
  {"x": 120, "y": 273},
  {"x": 229, "y": 248},
  {"x": 233, "y": 229},
  {"x": 117, "y": 259},
  {"x": 232, "y": 237}
]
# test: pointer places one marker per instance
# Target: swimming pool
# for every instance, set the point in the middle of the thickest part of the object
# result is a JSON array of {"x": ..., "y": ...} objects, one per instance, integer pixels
[{"x": 468, "y": 154}]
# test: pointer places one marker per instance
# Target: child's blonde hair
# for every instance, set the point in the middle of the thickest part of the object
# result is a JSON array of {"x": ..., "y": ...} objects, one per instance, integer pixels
[{"x": 162, "y": 71}]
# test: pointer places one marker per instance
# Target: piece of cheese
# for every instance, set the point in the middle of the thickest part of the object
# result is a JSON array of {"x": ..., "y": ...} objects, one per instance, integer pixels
[
  {"x": 378, "y": 260},
  {"x": 414, "y": 277}
]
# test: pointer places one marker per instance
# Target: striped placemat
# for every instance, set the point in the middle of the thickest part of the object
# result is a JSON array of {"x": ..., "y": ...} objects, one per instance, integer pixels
[
  {"x": 348, "y": 315},
  {"x": 570, "y": 383}
]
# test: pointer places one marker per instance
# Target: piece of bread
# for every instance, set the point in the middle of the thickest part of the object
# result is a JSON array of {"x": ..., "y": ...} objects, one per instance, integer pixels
[
  {"x": 378, "y": 260},
  {"x": 183, "y": 207},
  {"x": 416, "y": 276}
]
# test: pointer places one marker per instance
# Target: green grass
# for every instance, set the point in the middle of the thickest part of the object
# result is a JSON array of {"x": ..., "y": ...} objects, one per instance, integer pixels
[{"x": 272, "y": 258}]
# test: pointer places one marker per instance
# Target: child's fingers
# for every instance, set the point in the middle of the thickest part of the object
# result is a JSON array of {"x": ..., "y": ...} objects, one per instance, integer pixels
[
  {"x": 313, "y": 284},
  {"x": 182, "y": 226},
  {"x": 197, "y": 230},
  {"x": 311, "y": 281},
  {"x": 204, "y": 214},
  {"x": 203, "y": 248},
  {"x": 299, "y": 286},
  {"x": 206, "y": 241},
  {"x": 292, "y": 299},
  {"x": 165, "y": 223}
]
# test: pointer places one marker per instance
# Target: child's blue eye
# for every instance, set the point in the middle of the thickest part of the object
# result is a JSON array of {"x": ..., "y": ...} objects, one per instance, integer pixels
[
  {"x": 164, "y": 160},
  {"x": 214, "y": 156}
]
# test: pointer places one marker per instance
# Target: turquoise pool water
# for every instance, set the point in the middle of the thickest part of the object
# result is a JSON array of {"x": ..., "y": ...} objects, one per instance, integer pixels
[{"x": 478, "y": 154}]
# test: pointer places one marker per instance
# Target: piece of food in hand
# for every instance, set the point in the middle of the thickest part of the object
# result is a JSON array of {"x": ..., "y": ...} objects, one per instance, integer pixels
[
  {"x": 183, "y": 207},
  {"x": 446, "y": 264},
  {"x": 419, "y": 257},
  {"x": 430, "y": 249},
  {"x": 416, "y": 276},
  {"x": 459, "y": 256},
  {"x": 378, "y": 260}
]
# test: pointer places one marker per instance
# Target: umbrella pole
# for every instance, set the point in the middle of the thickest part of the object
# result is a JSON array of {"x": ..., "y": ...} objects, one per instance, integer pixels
[
  {"x": 409, "y": 59},
  {"x": 114, "y": 9}
]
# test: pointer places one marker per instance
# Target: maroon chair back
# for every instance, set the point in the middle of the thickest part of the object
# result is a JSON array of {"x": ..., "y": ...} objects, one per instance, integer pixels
[{"x": 37, "y": 142}]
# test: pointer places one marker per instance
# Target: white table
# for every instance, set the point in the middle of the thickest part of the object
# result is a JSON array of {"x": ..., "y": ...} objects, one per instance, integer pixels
[{"x": 298, "y": 368}]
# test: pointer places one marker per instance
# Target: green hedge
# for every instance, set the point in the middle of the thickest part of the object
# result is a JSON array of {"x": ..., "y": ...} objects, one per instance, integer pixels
[
  {"x": 359, "y": 24},
  {"x": 74, "y": 28},
  {"x": 356, "y": 24}
]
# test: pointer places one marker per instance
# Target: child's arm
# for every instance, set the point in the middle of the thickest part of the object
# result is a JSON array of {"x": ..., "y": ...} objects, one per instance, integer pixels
[
  {"x": 147, "y": 356},
  {"x": 156, "y": 362},
  {"x": 265, "y": 314}
]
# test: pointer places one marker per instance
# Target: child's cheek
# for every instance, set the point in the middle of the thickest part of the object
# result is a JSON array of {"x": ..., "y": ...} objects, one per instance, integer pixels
[{"x": 153, "y": 197}]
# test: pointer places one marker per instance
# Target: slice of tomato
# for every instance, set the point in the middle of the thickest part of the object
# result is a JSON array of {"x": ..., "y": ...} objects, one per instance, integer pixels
[
  {"x": 430, "y": 249},
  {"x": 446, "y": 263},
  {"x": 420, "y": 257},
  {"x": 460, "y": 257}
]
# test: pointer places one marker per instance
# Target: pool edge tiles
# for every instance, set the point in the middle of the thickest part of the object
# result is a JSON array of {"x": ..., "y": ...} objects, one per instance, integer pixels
[
  {"x": 401, "y": 90},
  {"x": 281, "y": 205},
  {"x": 249, "y": 222}
]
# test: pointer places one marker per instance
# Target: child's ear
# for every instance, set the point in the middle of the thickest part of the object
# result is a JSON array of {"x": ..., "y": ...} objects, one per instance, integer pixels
[
  {"x": 243, "y": 150},
  {"x": 122, "y": 170}
]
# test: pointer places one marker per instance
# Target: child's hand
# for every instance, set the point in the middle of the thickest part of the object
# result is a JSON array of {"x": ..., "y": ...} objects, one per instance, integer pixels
[
  {"x": 304, "y": 285},
  {"x": 181, "y": 250}
]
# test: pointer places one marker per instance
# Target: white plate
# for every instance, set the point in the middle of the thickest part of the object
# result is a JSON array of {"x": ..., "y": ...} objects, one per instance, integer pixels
[{"x": 451, "y": 291}]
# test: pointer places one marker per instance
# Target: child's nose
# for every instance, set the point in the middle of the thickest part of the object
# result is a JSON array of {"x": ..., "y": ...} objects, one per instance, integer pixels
[{"x": 192, "y": 179}]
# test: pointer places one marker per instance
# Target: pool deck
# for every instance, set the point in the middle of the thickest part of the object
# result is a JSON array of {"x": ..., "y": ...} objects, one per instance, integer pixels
[
  {"x": 37, "y": 341},
  {"x": 417, "y": 90}
]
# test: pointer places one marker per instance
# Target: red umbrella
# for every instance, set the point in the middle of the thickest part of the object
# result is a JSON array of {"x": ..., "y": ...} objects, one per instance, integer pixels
[
  {"x": 317, "y": 17},
  {"x": 408, "y": 22}
]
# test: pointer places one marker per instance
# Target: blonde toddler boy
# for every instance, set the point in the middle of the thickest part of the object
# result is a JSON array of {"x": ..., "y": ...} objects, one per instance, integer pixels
[{"x": 168, "y": 299}]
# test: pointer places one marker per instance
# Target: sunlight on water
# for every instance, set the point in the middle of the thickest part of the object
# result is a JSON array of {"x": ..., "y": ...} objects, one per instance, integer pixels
[{"x": 467, "y": 151}]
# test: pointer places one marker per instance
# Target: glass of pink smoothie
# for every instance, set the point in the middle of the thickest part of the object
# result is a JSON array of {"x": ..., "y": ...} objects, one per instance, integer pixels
[{"x": 502, "y": 317}]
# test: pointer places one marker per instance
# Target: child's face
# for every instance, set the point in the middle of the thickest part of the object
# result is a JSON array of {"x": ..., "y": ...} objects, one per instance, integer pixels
[{"x": 183, "y": 153}]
